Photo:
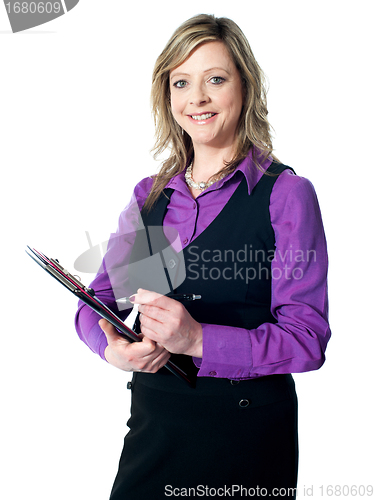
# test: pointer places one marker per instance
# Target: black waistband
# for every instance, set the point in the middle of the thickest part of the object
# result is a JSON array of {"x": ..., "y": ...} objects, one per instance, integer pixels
[{"x": 259, "y": 391}]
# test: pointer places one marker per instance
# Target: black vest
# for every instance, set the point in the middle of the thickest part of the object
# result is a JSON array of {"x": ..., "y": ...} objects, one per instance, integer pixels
[{"x": 229, "y": 263}]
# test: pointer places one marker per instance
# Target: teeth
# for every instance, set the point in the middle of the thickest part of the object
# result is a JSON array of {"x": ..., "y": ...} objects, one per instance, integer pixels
[{"x": 202, "y": 117}]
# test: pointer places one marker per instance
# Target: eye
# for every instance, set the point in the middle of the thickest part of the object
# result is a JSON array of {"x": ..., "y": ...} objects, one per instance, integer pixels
[
  {"x": 180, "y": 84},
  {"x": 217, "y": 80}
]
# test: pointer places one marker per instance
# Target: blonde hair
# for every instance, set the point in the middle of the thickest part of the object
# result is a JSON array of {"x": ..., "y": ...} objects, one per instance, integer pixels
[{"x": 253, "y": 130}]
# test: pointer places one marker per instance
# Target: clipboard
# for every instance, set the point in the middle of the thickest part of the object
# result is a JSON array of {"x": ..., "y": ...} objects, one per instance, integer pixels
[{"x": 87, "y": 295}]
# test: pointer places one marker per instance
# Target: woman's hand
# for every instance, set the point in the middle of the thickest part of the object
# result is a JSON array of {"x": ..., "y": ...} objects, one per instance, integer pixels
[
  {"x": 168, "y": 323},
  {"x": 146, "y": 356}
]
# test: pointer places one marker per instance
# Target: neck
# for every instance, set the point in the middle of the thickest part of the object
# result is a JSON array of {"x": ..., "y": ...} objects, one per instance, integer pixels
[{"x": 209, "y": 161}]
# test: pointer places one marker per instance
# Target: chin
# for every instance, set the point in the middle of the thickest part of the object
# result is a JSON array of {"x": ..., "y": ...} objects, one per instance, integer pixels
[{"x": 203, "y": 138}]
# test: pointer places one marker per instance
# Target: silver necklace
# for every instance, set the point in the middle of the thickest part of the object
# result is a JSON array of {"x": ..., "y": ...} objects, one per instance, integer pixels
[{"x": 199, "y": 185}]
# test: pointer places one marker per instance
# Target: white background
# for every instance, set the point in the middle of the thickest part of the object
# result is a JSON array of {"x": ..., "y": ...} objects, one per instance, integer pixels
[{"x": 76, "y": 132}]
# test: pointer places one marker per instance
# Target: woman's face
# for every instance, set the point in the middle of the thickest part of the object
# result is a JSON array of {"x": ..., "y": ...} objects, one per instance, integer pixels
[{"x": 206, "y": 96}]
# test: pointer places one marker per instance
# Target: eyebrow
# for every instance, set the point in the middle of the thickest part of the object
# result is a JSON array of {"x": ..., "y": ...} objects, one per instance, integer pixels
[{"x": 205, "y": 71}]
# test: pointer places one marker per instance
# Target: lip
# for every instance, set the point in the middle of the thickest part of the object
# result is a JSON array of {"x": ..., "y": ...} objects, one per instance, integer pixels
[{"x": 202, "y": 122}]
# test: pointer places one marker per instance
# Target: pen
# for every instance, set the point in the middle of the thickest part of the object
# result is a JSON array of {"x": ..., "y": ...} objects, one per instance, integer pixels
[
  {"x": 180, "y": 297},
  {"x": 184, "y": 297}
]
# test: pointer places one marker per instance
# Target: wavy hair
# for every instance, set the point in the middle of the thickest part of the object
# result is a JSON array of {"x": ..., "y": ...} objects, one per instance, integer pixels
[{"x": 253, "y": 129}]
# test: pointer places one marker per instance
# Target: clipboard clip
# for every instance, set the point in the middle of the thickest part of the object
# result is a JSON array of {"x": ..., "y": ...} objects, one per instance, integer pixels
[
  {"x": 75, "y": 281},
  {"x": 53, "y": 266}
]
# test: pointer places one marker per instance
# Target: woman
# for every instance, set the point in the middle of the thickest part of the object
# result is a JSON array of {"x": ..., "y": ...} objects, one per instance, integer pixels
[{"x": 253, "y": 247}]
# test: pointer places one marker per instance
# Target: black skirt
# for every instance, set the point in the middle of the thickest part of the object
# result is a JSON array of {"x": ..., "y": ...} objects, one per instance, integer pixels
[{"x": 219, "y": 439}]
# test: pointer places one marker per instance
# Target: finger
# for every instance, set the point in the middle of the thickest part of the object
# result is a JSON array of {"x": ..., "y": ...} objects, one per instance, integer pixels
[
  {"x": 155, "y": 350},
  {"x": 148, "y": 342},
  {"x": 107, "y": 327},
  {"x": 152, "y": 298},
  {"x": 151, "y": 347},
  {"x": 154, "y": 364},
  {"x": 152, "y": 313},
  {"x": 158, "y": 330},
  {"x": 151, "y": 359},
  {"x": 146, "y": 348},
  {"x": 160, "y": 360},
  {"x": 151, "y": 334},
  {"x": 110, "y": 332}
]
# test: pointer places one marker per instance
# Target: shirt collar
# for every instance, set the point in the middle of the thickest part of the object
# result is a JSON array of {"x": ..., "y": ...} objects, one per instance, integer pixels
[
  {"x": 248, "y": 168},
  {"x": 251, "y": 172}
]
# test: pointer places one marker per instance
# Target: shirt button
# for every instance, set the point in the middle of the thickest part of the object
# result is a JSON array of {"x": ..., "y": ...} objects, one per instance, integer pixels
[
  {"x": 244, "y": 403},
  {"x": 172, "y": 263},
  {"x": 234, "y": 382},
  {"x": 185, "y": 241},
  {"x": 213, "y": 373}
]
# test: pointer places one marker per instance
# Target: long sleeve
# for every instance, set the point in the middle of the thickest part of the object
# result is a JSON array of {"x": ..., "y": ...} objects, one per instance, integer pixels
[
  {"x": 111, "y": 282},
  {"x": 297, "y": 341}
]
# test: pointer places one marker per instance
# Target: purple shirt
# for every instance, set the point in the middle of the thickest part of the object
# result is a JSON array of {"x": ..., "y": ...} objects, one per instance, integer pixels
[{"x": 297, "y": 341}]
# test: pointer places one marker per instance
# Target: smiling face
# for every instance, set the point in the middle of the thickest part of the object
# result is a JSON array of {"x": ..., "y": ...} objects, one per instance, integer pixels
[{"x": 206, "y": 96}]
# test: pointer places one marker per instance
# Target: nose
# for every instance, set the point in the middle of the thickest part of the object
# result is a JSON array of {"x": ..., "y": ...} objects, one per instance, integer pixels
[{"x": 199, "y": 96}]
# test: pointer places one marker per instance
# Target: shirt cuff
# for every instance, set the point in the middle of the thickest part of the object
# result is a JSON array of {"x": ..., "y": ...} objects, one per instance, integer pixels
[{"x": 227, "y": 352}]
